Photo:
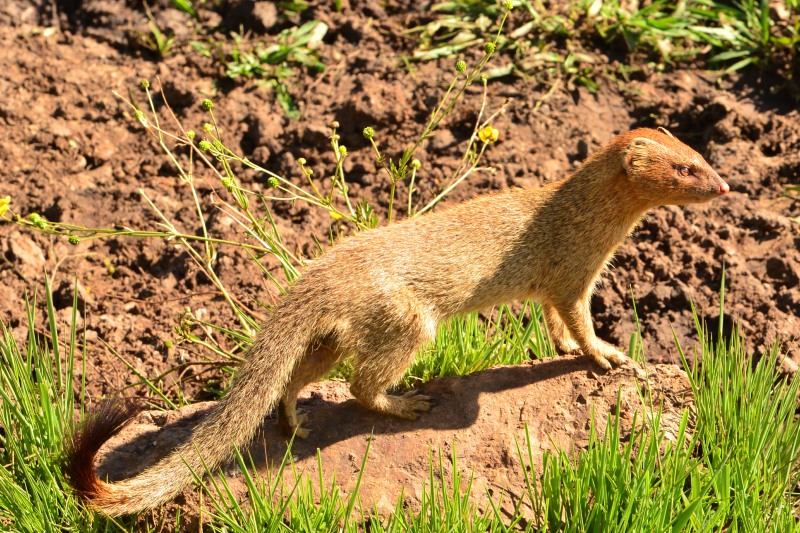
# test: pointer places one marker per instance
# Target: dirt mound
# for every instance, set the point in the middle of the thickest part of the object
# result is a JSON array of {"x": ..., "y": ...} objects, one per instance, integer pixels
[{"x": 481, "y": 418}]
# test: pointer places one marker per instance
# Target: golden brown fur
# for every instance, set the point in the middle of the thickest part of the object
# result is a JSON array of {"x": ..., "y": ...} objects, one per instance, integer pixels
[{"x": 380, "y": 295}]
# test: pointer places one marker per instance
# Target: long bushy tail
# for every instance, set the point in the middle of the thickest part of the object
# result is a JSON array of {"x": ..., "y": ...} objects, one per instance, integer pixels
[{"x": 257, "y": 388}]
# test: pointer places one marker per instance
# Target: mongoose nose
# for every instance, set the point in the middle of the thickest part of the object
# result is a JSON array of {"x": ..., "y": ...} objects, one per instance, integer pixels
[{"x": 724, "y": 188}]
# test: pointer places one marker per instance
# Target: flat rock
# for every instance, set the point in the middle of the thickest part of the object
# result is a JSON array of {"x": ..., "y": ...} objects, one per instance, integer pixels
[{"x": 480, "y": 418}]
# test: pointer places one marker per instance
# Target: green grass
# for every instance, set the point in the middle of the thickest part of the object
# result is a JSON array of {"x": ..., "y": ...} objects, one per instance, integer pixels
[
  {"x": 470, "y": 344},
  {"x": 735, "y": 471},
  {"x": 562, "y": 42},
  {"x": 730, "y": 465},
  {"x": 37, "y": 410}
]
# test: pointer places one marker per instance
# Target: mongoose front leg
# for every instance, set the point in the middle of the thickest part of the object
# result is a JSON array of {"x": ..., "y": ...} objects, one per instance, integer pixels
[
  {"x": 578, "y": 319},
  {"x": 558, "y": 330}
]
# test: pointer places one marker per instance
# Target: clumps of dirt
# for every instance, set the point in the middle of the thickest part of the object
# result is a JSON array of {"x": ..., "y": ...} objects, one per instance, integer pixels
[{"x": 481, "y": 419}]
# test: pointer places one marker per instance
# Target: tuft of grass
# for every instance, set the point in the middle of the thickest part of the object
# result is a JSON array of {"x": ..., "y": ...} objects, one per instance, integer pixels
[
  {"x": 37, "y": 411},
  {"x": 272, "y": 62},
  {"x": 446, "y": 505},
  {"x": 471, "y": 343},
  {"x": 156, "y": 41},
  {"x": 186, "y": 6},
  {"x": 296, "y": 45},
  {"x": 731, "y": 465}
]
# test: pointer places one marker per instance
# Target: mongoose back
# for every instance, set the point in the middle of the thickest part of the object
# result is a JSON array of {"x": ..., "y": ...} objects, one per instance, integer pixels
[{"x": 378, "y": 296}]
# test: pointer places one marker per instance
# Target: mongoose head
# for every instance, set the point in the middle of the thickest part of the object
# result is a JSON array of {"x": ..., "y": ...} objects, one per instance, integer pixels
[{"x": 662, "y": 170}]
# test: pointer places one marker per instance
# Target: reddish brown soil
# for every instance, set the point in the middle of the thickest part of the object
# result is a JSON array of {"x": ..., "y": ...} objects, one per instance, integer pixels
[{"x": 71, "y": 151}]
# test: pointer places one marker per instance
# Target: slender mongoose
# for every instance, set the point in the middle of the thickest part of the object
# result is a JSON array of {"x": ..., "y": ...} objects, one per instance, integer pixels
[{"x": 379, "y": 296}]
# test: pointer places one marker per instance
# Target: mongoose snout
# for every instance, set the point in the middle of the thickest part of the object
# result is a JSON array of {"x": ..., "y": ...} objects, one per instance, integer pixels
[{"x": 379, "y": 296}]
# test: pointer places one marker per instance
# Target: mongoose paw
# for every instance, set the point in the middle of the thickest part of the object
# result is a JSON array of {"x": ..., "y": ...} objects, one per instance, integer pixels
[
  {"x": 602, "y": 362},
  {"x": 301, "y": 433},
  {"x": 609, "y": 358},
  {"x": 411, "y": 404},
  {"x": 299, "y": 430},
  {"x": 567, "y": 346},
  {"x": 293, "y": 425}
]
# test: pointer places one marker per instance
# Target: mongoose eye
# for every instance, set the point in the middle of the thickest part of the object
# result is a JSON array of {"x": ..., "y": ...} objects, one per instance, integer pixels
[{"x": 684, "y": 171}]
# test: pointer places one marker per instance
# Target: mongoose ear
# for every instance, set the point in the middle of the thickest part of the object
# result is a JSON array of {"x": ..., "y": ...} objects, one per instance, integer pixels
[
  {"x": 665, "y": 132},
  {"x": 639, "y": 152}
]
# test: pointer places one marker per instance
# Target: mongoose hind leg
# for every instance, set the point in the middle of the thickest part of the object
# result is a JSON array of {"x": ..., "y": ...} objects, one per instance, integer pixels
[
  {"x": 409, "y": 406},
  {"x": 318, "y": 361},
  {"x": 558, "y": 330},
  {"x": 380, "y": 364},
  {"x": 578, "y": 320}
]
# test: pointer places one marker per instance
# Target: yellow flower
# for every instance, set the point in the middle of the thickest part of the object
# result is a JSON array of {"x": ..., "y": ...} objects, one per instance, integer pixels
[
  {"x": 4, "y": 202},
  {"x": 335, "y": 215},
  {"x": 489, "y": 134}
]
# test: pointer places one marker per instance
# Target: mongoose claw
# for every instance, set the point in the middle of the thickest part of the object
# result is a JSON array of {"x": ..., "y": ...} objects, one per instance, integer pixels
[
  {"x": 608, "y": 359},
  {"x": 411, "y": 404},
  {"x": 602, "y": 362},
  {"x": 567, "y": 347},
  {"x": 293, "y": 425},
  {"x": 618, "y": 359}
]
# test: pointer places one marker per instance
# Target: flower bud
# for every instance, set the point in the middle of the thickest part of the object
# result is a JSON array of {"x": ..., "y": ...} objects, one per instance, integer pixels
[
  {"x": 138, "y": 114},
  {"x": 461, "y": 66},
  {"x": 37, "y": 220},
  {"x": 207, "y": 104},
  {"x": 369, "y": 132}
]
